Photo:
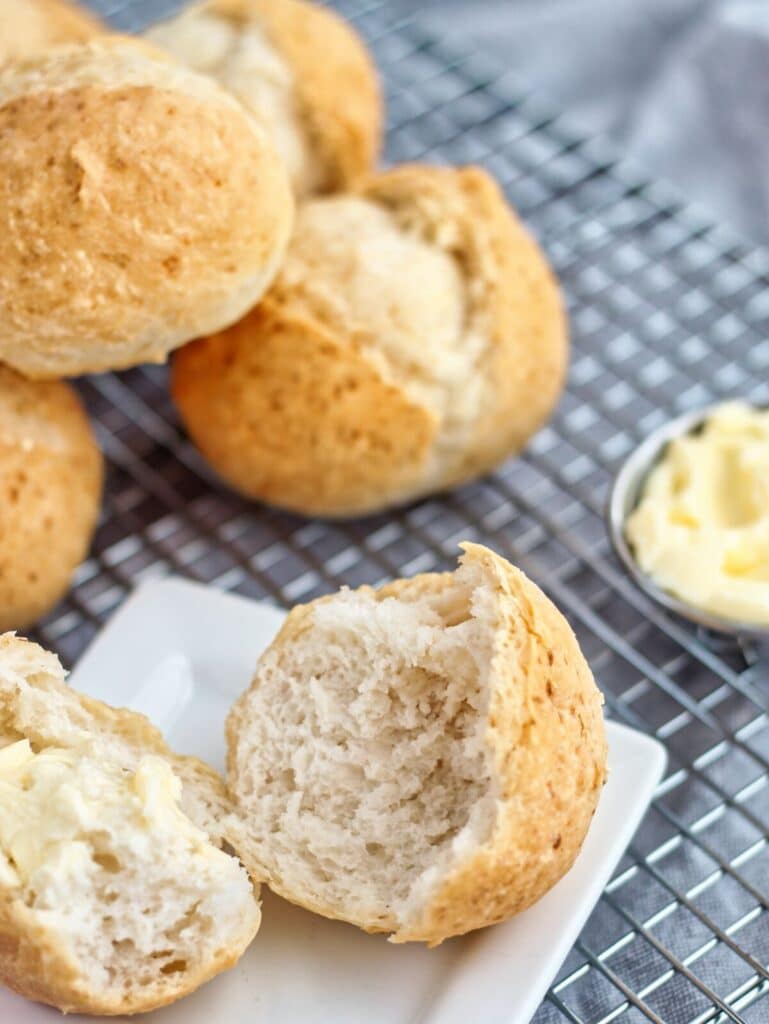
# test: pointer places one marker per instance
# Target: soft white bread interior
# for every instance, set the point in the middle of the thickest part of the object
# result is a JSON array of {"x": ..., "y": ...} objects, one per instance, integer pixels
[
  {"x": 115, "y": 896},
  {"x": 424, "y": 759}
]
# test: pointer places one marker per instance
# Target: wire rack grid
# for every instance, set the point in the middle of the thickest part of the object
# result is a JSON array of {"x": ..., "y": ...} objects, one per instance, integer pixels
[{"x": 668, "y": 312}]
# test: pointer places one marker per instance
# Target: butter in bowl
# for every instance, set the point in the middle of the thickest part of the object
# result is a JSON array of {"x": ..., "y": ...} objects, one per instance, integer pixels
[{"x": 689, "y": 517}]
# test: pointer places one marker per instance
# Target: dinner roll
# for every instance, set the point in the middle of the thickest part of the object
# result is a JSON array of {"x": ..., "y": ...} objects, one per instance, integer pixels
[
  {"x": 424, "y": 759},
  {"x": 114, "y": 894},
  {"x": 301, "y": 71},
  {"x": 28, "y": 26},
  {"x": 414, "y": 338},
  {"x": 140, "y": 206},
  {"x": 50, "y": 486}
]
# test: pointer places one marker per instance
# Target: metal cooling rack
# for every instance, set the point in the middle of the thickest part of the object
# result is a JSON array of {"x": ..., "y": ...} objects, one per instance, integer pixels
[{"x": 668, "y": 312}]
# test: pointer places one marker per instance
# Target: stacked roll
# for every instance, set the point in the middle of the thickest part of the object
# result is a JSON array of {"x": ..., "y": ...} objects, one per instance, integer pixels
[
  {"x": 421, "y": 760},
  {"x": 401, "y": 335}
]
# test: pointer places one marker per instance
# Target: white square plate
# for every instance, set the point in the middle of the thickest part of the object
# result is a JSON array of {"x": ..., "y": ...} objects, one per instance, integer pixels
[{"x": 181, "y": 653}]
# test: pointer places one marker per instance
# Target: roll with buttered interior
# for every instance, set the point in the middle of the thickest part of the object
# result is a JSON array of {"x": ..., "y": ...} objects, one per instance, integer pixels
[
  {"x": 423, "y": 759},
  {"x": 300, "y": 70},
  {"x": 29, "y": 26},
  {"x": 414, "y": 338},
  {"x": 50, "y": 488},
  {"x": 115, "y": 896},
  {"x": 140, "y": 206}
]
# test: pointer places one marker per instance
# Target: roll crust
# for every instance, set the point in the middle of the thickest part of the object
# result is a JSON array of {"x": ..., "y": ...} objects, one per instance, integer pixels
[
  {"x": 280, "y": 406},
  {"x": 29, "y": 26},
  {"x": 335, "y": 95},
  {"x": 51, "y": 474},
  {"x": 547, "y": 733},
  {"x": 338, "y": 92},
  {"x": 157, "y": 211},
  {"x": 511, "y": 281},
  {"x": 512, "y": 304}
]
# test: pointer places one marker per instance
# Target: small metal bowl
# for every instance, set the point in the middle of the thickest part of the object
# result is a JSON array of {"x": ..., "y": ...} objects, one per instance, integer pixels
[{"x": 625, "y": 493}]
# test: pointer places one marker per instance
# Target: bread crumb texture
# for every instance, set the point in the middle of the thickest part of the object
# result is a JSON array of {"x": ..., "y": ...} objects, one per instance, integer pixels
[
  {"x": 413, "y": 339},
  {"x": 302, "y": 72},
  {"x": 113, "y": 896},
  {"x": 423, "y": 759},
  {"x": 50, "y": 487},
  {"x": 158, "y": 210}
]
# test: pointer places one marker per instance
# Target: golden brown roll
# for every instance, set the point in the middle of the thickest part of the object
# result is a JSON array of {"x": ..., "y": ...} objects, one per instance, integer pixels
[
  {"x": 414, "y": 338},
  {"x": 50, "y": 487},
  {"x": 140, "y": 206},
  {"x": 424, "y": 759},
  {"x": 29, "y": 26},
  {"x": 302, "y": 72}
]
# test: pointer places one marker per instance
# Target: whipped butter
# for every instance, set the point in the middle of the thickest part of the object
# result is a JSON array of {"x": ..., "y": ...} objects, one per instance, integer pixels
[
  {"x": 701, "y": 527},
  {"x": 54, "y": 801}
]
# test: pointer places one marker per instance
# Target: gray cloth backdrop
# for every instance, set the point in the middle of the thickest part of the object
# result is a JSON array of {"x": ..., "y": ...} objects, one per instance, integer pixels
[{"x": 681, "y": 85}]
